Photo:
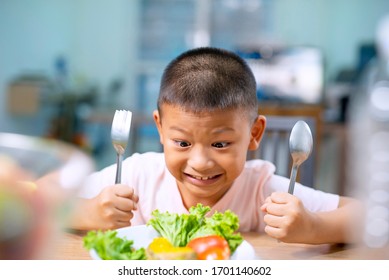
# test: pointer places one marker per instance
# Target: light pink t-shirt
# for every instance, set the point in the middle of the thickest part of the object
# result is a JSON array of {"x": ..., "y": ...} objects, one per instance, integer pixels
[{"x": 157, "y": 189}]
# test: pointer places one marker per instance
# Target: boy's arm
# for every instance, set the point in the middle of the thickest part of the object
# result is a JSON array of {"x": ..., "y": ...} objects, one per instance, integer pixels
[
  {"x": 287, "y": 220},
  {"x": 342, "y": 225}
]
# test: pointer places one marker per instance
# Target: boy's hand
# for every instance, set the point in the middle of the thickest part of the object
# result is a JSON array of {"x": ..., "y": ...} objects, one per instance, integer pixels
[
  {"x": 111, "y": 209},
  {"x": 286, "y": 218}
]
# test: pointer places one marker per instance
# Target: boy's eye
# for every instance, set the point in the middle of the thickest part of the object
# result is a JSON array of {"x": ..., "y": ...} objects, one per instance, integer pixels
[
  {"x": 220, "y": 144},
  {"x": 182, "y": 144}
]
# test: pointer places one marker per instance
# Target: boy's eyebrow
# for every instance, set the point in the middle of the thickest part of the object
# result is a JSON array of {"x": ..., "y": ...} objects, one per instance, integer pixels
[{"x": 178, "y": 129}]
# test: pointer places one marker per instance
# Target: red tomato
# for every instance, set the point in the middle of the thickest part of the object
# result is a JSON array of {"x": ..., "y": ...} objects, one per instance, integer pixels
[
  {"x": 215, "y": 253},
  {"x": 211, "y": 247}
]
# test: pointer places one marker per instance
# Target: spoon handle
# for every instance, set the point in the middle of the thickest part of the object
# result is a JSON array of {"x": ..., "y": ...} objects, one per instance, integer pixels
[{"x": 293, "y": 175}]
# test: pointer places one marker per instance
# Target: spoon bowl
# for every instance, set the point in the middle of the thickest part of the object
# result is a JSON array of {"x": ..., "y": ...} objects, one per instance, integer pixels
[{"x": 300, "y": 147}]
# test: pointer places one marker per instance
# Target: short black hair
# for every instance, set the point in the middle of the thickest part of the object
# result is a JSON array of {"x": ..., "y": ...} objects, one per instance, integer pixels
[{"x": 207, "y": 79}]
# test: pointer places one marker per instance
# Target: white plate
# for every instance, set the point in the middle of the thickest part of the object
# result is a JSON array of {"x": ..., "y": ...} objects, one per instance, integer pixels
[{"x": 143, "y": 235}]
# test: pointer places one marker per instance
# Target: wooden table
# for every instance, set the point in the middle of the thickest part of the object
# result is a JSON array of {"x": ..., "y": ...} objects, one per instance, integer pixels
[{"x": 69, "y": 246}]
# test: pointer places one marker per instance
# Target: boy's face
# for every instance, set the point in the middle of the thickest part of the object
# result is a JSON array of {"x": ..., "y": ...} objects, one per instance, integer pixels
[{"x": 206, "y": 152}]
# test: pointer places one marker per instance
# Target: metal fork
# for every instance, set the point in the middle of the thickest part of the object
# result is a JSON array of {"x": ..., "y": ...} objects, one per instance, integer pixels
[{"x": 120, "y": 132}]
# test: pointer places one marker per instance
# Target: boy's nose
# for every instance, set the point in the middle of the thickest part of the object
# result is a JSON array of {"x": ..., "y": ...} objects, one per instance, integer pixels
[{"x": 200, "y": 159}]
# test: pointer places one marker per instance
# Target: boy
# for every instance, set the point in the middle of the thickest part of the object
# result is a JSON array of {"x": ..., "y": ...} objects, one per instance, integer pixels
[{"x": 207, "y": 120}]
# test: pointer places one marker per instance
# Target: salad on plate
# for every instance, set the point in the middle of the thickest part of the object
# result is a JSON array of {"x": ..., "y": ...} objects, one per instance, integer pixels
[{"x": 171, "y": 236}]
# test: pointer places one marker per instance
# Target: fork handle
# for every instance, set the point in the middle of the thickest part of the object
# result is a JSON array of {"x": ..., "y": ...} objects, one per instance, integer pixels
[{"x": 118, "y": 169}]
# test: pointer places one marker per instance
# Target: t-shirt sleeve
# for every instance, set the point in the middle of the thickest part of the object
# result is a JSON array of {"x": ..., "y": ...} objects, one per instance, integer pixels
[
  {"x": 96, "y": 182},
  {"x": 313, "y": 200}
]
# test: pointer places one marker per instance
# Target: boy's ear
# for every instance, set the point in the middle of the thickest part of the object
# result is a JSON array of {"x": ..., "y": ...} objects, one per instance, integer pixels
[
  {"x": 157, "y": 120},
  {"x": 257, "y": 130}
]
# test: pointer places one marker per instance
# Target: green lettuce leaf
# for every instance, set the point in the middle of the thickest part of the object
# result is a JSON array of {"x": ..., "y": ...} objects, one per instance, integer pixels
[
  {"x": 111, "y": 247},
  {"x": 179, "y": 229},
  {"x": 224, "y": 224}
]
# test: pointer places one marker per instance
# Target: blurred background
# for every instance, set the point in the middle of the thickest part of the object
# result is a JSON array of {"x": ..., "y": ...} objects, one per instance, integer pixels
[{"x": 67, "y": 65}]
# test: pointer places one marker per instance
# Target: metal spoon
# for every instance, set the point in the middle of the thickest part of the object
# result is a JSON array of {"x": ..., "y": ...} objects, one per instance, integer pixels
[{"x": 300, "y": 147}]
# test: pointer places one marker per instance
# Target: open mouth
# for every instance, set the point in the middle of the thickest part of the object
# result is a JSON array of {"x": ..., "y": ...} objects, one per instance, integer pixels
[{"x": 203, "y": 178}]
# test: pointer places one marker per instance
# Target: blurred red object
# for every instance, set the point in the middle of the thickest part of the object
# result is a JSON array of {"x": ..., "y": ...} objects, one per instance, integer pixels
[
  {"x": 24, "y": 214},
  {"x": 39, "y": 179}
]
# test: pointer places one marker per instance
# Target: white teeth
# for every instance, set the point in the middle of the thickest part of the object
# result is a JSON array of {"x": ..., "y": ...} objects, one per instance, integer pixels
[{"x": 202, "y": 178}]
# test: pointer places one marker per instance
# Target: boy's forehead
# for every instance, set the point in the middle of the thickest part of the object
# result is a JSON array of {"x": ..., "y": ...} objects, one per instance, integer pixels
[{"x": 174, "y": 109}]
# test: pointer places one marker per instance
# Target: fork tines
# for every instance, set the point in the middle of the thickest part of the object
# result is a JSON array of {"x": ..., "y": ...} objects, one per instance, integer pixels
[{"x": 121, "y": 124}]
